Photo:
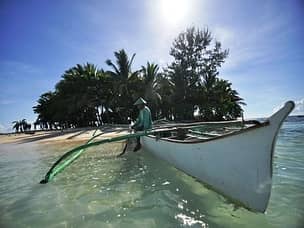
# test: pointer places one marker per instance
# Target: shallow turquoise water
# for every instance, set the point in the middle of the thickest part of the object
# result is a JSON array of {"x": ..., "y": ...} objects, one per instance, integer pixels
[{"x": 138, "y": 190}]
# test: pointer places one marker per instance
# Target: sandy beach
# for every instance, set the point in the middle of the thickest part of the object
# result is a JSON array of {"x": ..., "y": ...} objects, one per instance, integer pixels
[{"x": 58, "y": 136}]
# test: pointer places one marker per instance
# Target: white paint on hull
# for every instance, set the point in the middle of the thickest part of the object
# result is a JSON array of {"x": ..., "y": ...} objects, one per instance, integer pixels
[{"x": 238, "y": 166}]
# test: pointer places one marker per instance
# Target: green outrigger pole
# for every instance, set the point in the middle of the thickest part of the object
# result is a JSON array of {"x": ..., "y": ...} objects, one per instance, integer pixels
[
  {"x": 73, "y": 154},
  {"x": 60, "y": 164}
]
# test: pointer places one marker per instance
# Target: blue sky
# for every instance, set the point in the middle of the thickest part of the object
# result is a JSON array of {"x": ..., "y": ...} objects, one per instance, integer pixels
[{"x": 41, "y": 39}]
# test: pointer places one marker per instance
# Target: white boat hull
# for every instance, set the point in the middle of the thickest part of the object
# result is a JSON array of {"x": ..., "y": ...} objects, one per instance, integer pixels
[{"x": 238, "y": 166}]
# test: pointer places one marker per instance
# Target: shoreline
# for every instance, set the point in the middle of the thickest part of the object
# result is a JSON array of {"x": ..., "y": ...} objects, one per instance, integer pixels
[{"x": 68, "y": 135}]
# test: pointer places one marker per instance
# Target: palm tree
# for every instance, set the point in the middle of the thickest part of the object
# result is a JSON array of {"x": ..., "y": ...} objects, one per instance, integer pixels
[
  {"x": 218, "y": 101},
  {"x": 154, "y": 85},
  {"x": 76, "y": 99},
  {"x": 46, "y": 109},
  {"x": 16, "y": 125},
  {"x": 79, "y": 93},
  {"x": 165, "y": 87},
  {"x": 121, "y": 72},
  {"x": 123, "y": 77},
  {"x": 23, "y": 124},
  {"x": 150, "y": 77},
  {"x": 207, "y": 96},
  {"x": 228, "y": 101},
  {"x": 176, "y": 74}
]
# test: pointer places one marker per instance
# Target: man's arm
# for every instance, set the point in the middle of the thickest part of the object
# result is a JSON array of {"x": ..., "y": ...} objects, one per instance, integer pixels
[
  {"x": 139, "y": 121},
  {"x": 136, "y": 124}
]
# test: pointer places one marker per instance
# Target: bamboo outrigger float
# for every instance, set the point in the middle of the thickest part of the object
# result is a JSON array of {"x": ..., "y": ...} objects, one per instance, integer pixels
[{"x": 235, "y": 158}]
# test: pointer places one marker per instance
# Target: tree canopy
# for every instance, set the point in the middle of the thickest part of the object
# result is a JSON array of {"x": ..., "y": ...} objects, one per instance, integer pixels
[
  {"x": 90, "y": 96},
  {"x": 21, "y": 125}
]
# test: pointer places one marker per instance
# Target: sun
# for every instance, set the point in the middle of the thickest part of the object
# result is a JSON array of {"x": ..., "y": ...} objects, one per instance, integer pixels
[{"x": 174, "y": 11}]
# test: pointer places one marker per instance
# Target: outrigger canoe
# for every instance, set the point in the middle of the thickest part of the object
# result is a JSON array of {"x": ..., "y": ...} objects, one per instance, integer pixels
[
  {"x": 232, "y": 157},
  {"x": 237, "y": 162}
]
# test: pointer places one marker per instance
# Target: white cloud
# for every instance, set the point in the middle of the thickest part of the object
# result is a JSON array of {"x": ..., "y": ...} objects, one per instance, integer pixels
[
  {"x": 224, "y": 35},
  {"x": 6, "y": 101},
  {"x": 254, "y": 45},
  {"x": 9, "y": 68},
  {"x": 299, "y": 109}
]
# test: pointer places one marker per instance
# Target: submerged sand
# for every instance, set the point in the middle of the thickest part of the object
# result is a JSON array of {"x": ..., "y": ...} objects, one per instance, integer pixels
[{"x": 69, "y": 135}]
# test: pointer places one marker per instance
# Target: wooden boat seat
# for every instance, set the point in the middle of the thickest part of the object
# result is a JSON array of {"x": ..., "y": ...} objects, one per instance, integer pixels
[
  {"x": 197, "y": 137},
  {"x": 205, "y": 133}
]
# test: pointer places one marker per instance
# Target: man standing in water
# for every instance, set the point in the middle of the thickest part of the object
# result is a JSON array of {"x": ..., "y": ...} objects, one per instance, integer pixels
[{"x": 143, "y": 121}]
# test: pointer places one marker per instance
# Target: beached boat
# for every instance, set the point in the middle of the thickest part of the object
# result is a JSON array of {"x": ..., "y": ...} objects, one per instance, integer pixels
[{"x": 234, "y": 160}]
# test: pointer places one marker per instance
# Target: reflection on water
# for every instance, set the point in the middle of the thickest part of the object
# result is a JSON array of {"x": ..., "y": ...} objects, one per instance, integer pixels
[{"x": 137, "y": 190}]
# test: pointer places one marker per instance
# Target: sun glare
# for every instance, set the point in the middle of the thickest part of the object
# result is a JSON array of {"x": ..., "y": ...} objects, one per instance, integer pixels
[{"x": 174, "y": 11}]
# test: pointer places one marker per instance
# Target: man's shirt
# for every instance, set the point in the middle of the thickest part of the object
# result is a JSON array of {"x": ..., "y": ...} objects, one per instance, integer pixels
[{"x": 144, "y": 119}]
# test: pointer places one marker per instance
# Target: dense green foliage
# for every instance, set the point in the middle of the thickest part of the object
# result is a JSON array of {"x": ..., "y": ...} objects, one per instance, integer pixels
[
  {"x": 88, "y": 96},
  {"x": 21, "y": 125}
]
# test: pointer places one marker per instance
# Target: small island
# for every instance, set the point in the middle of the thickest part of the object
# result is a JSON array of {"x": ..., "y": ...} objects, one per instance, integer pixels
[{"x": 187, "y": 89}]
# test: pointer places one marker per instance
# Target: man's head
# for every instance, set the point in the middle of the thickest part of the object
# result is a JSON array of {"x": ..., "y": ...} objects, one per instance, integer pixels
[{"x": 140, "y": 103}]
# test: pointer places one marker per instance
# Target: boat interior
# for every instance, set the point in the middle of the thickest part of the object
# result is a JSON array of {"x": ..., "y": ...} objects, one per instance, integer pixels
[{"x": 206, "y": 131}]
